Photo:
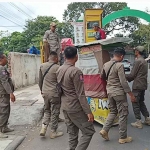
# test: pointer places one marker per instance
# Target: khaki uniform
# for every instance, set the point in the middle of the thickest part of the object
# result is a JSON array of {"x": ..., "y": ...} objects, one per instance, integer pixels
[
  {"x": 50, "y": 95},
  {"x": 75, "y": 107},
  {"x": 139, "y": 75},
  {"x": 117, "y": 87},
  {"x": 53, "y": 40},
  {"x": 6, "y": 87}
]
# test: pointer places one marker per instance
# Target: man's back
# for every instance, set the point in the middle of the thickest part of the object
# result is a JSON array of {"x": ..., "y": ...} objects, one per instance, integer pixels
[
  {"x": 69, "y": 98},
  {"x": 140, "y": 80},
  {"x": 116, "y": 83},
  {"x": 50, "y": 80},
  {"x": 73, "y": 97}
]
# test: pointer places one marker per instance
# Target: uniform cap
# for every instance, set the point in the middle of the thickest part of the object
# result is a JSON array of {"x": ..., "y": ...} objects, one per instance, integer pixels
[
  {"x": 53, "y": 24},
  {"x": 140, "y": 48}
]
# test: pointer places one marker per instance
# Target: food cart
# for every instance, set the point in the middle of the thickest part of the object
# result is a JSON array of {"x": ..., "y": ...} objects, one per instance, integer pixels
[{"x": 92, "y": 56}]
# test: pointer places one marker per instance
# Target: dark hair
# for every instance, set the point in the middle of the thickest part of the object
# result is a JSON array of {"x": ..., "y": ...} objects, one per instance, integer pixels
[
  {"x": 141, "y": 53},
  {"x": 119, "y": 51},
  {"x": 1, "y": 55},
  {"x": 70, "y": 52},
  {"x": 53, "y": 53}
]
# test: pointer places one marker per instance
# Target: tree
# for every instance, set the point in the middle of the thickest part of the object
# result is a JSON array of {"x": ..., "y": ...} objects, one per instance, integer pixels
[
  {"x": 33, "y": 34},
  {"x": 141, "y": 36},
  {"x": 36, "y": 28},
  {"x": 74, "y": 10},
  {"x": 65, "y": 30},
  {"x": 14, "y": 42}
]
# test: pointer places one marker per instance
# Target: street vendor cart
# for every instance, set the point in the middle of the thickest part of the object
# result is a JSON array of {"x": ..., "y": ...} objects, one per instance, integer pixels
[{"x": 92, "y": 56}]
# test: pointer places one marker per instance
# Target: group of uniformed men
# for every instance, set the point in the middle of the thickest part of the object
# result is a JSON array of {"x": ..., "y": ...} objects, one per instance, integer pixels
[{"x": 72, "y": 100}]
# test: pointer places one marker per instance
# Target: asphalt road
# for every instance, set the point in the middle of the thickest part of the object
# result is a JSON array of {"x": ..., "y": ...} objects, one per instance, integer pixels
[{"x": 141, "y": 137}]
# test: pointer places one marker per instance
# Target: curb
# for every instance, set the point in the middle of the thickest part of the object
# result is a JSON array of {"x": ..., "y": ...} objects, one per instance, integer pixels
[{"x": 15, "y": 143}]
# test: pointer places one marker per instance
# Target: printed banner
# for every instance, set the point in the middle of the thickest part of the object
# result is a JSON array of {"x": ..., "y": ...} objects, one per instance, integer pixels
[
  {"x": 79, "y": 32},
  {"x": 100, "y": 109}
]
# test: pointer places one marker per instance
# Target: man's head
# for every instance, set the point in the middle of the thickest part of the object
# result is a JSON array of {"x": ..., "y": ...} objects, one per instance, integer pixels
[
  {"x": 119, "y": 54},
  {"x": 96, "y": 26},
  {"x": 71, "y": 54},
  {"x": 139, "y": 50},
  {"x": 53, "y": 26},
  {"x": 3, "y": 59},
  {"x": 53, "y": 57}
]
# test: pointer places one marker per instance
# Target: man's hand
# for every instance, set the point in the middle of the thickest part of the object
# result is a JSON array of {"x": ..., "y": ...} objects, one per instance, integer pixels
[
  {"x": 132, "y": 97},
  {"x": 12, "y": 97},
  {"x": 90, "y": 117}
]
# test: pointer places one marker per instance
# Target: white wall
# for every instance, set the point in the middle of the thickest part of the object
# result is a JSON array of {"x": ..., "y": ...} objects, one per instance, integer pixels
[{"x": 24, "y": 69}]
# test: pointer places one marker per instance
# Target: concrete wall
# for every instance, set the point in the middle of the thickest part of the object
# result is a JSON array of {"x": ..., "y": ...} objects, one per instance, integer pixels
[{"x": 24, "y": 69}]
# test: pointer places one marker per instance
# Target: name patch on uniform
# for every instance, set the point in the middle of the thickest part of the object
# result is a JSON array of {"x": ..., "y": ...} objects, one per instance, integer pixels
[{"x": 81, "y": 77}]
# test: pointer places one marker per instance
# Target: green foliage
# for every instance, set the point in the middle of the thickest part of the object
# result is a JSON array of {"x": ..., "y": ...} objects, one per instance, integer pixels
[
  {"x": 75, "y": 9},
  {"x": 141, "y": 36},
  {"x": 33, "y": 34},
  {"x": 35, "y": 29}
]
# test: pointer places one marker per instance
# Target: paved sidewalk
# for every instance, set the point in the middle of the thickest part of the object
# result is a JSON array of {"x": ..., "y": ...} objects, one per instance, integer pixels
[{"x": 26, "y": 112}]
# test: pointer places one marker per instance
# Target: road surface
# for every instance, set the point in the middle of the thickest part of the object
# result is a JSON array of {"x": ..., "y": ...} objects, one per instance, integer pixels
[{"x": 141, "y": 137}]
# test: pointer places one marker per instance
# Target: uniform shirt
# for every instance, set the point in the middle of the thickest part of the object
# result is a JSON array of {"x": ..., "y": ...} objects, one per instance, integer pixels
[
  {"x": 50, "y": 80},
  {"x": 139, "y": 74},
  {"x": 116, "y": 83},
  {"x": 73, "y": 98},
  {"x": 53, "y": 40},
  {"x": 6, "y": 86}
]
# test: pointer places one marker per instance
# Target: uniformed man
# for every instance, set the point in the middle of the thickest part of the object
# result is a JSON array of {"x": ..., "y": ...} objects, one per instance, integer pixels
[
  {"x": 6, "y": 93},
  {"x": 47, "y": 86},
  {"x": 53, "y": 40},
  {"x": 139, "y": 75},
  {"x": 117, "y": 87},
  {"x": 75, "y": 107}
]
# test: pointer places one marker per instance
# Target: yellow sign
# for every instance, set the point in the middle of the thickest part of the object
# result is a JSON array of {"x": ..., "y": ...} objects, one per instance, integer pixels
[
  {"x": 100, "y": 109},
  {"x": 42, "y": 52},
  {"x": 92, "y": 16}
]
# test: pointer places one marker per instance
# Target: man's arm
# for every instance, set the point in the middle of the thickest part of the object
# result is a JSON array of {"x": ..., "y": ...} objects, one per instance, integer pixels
[
  {"x": 103, "y": 74},
  {"x": 123, "y": 80},
  {"x": 45, "y": 36},
  {"x": 59, "y": 42},
  {"x": 40, "y": 79},
  {"x": 130, "y": 77},
  {"x": 5, "y": 80},
  {"x": 79, "y": 87}
]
